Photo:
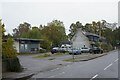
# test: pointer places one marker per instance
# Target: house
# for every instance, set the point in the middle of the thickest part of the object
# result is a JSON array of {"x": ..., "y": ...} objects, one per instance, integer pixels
[
  {"x": 86, "y": 39},
  {"x": 27, "y": 45},
  {"x": 80, "y": 40}
]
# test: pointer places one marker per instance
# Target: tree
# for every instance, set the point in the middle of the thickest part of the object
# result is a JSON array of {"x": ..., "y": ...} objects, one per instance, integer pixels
[
  {"x": 9, "y": 54},
  {"x": 55, "y": 32},
  {"x": 74, "y": 27},
  {"x": 22, "y": 29},
  {"x": 88, "y": 27},
  {"x": 2, "y": 30}
]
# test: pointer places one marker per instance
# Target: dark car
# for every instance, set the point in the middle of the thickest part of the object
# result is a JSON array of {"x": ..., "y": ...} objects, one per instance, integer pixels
[{"x": 96, "y": 50}]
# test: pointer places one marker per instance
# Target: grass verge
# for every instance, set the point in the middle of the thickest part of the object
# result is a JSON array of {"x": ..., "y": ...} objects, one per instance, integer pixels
[
  {"x": 49, "y": 55},
  {"x": 84, "y": 57}
]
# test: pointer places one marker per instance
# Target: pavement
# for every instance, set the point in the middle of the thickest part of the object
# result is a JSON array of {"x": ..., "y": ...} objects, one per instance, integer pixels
[{"x": 37, "y": 66}]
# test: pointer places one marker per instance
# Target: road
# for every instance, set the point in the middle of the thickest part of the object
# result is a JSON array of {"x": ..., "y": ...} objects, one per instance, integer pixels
[{"x": 102, "y": 67}]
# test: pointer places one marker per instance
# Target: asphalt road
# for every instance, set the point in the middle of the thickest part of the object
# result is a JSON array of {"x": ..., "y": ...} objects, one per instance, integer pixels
[{"x": 102, "y": 67}]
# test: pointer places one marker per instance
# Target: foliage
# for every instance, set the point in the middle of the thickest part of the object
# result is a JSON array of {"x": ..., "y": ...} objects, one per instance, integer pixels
[
  {"x": 74, "y": 27},
  {"x": 107, "y": 47},
  {"x": 55, "y": 32},
  {"x": 46, "y": 44},
  {"x": 9, "y": 57},
  {"x": 22, "y": 29},
  {"x": 2, "y": 30},
  {"x": 12, "y": 64},
  {"x": 8, "y": 50},
  {"x": 104, "y": 46}
]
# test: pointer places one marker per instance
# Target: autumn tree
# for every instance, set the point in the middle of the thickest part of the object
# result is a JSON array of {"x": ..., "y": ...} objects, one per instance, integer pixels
[{"x": 55, "y": 32}]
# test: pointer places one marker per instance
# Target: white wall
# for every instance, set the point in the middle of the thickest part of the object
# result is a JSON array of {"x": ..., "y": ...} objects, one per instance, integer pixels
[
  {"x": 79, "y": 40},
  {"x": 16, "y": 45}
]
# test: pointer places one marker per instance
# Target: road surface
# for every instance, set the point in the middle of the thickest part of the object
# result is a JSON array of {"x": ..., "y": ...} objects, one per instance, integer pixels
[{"x": 102, "y": 67}]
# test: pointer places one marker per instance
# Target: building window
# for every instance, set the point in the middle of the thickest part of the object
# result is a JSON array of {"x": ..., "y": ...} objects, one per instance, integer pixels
[
  {"x": 22, "y": 46},
  {"x": 26, "y": 46}
]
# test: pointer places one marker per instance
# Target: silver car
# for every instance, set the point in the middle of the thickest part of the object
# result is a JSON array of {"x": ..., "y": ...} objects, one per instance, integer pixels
[
  {"x": 85, "y": 50},
  {"x": 74, "y": 51}
]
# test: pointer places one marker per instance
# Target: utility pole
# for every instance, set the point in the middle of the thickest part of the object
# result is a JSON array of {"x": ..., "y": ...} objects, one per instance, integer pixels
[{"x": 100, "y": 34}]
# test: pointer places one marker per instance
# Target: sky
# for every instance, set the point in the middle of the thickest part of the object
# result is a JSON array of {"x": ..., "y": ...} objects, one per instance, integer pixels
[{"x": 68, "y": 11}]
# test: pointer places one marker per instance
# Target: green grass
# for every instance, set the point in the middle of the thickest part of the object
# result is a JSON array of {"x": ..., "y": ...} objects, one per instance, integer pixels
[
  {"x": 78, "y": 58},
  {"x": 49, "y": 55},
  {"x": 71, "y": 60},
  {"x": 43, "y": 56}
]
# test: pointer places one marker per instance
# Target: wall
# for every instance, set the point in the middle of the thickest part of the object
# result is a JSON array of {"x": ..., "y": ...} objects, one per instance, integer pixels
[
  {"x": 16, "y": 45},
  {"x": 79, "y": 40}
]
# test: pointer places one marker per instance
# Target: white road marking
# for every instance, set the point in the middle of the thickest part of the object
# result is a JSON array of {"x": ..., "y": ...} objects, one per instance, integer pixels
[
  {"x": 108, "y": 66},
  {"x": 116, "y": 60},
  {"x": 94, "y": 77}
]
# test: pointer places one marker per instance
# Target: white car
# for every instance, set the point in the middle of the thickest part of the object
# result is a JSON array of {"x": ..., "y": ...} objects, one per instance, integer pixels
[{"x": 85, "y": 50}]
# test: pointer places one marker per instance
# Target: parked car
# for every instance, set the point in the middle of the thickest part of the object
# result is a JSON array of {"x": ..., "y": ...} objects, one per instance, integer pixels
[
  {"x": 55, "y": 50},
  {"x": 96, "y": 50},
  {"x": 74, "y": 51},
  {"x": 85, "y": 50},
  {"x": 41, "y": 50},
  {"x": 62, "y": 49}
]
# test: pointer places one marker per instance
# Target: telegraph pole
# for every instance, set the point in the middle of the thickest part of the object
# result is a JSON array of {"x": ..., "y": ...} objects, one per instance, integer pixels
[{"x": 100, "y": 34}]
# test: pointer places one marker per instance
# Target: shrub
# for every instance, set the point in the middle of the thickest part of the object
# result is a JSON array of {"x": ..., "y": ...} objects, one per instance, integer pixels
[
  {"x": 9, "y": 56},
  {"x": 106, "y": 47},
  {"x": 12, "y": 64},
  {"x": 7, "y": 49}
]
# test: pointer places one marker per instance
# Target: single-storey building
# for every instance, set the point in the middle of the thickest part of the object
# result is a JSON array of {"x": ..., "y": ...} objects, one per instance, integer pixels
[{"x": 27, "y": 45}]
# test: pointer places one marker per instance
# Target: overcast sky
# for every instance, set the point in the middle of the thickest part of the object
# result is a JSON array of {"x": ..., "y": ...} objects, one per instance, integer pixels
[{"x": 42, "y": 12}]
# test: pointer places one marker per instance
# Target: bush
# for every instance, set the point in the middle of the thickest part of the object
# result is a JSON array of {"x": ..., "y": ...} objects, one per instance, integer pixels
[
  {"x": 9, "y": 56},
  {"x": 107, "y": 47},
  {"x": 12, "y": 64},
  {"x": 104, "y": 46},
  {"x": 7, "y": 49}
]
